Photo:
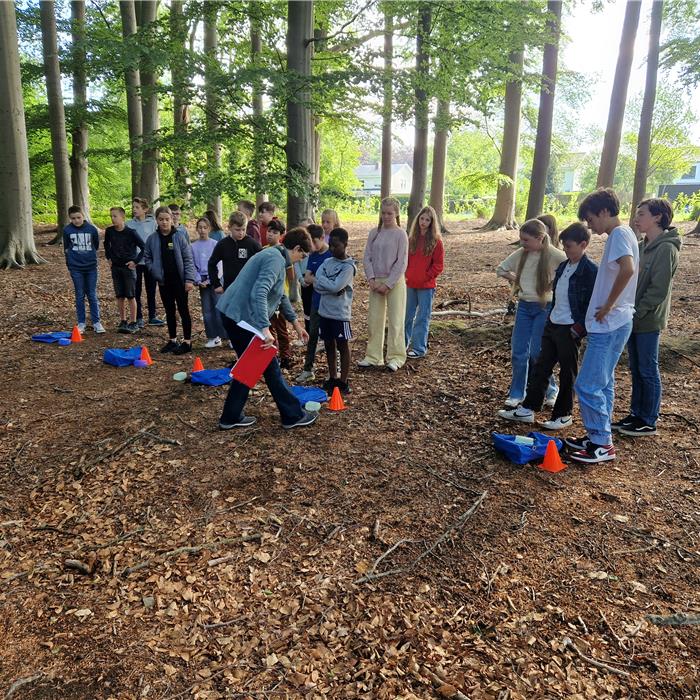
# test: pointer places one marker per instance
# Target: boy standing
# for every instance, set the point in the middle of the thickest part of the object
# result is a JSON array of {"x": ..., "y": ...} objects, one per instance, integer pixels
[
  {"x": 252, "y": 229},
  {"x": 233, "y": 252},
  {"x": 121, "y": 246},
  {"x": 608, "y": 323},
  {"x": 177, "y": 213},
  {"x": 274, "y": 233},
  {"x": 266, "y": 213},
  {"x": 80, "y": 243}
]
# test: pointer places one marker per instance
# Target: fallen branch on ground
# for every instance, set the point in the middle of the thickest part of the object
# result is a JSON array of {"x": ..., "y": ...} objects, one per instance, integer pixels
[
  {"x": 21, "y": 683},
  {"x": 470, "y": 314},
  {"x": 594, "y": 662},
  {"x": 677, "y": 620}
]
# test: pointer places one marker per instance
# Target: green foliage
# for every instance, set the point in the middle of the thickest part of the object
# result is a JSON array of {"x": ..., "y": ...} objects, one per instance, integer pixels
[
  {"x": 340, "y": 156},
  {"x": 686, "y": 207}
]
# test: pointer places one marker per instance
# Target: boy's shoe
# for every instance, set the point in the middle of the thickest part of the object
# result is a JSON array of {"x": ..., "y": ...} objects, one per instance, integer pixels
[
  {"x": 213, "y": 342},
  {"x": 305, "y": 376},
  {"x": 81, "y": 328},
  {"x": 171, "y": 346},
  {"x": 329, "y": 385},
  {"x": 123, "y": 327},
  {"x": 512, "y": 403},
  {"x": 549, "y": 403},
  {"x": 557, "y": 423},
  {"x": 520, "y": 415},
  {"x": 637, "y": 429},
  {"x": 392, "y": 366},
  {"x": 577, "y": 443},
  {"x": 242, "y": 422},
  {"x": 98, "y": 328},
  {"x": 344, "y": 387},
  {"x": 307, "y": 419},
  {"x": 132, "y": 327},
  {"x": 183, "y": 348},
  {"x": 627, "y": 420},
  {"x": 593, "y": 454},
  {"x": 155, "y": 321},
  {"x": 140, "y": 323}
]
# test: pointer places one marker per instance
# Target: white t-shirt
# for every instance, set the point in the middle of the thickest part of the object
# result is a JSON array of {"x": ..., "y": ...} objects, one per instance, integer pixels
[
  {"x": 561, "y": 313},
  {"x": 621, "y": 242}
]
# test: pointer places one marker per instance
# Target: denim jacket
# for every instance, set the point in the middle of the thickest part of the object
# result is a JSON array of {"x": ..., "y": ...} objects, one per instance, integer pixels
[{"x": 580, "y": 290}]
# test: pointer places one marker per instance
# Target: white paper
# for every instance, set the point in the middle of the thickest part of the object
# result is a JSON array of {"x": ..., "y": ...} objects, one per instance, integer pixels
[{"x": 247, "y": 327}]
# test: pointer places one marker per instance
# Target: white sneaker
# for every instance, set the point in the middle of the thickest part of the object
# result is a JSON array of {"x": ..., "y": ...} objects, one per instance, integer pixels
[
  {"x": 557, "y": 423},
  {"x": 213, "y": 342},
  {"x": 81, "y": 327},
  {"x": 98, "y": 328},
  {"x": 366, "y": 363},
  {"x": 305, "y": 376},
  {"x": 392, "y": 366},
  {"x": 549, "y": 403},
  {"x": 519, "y": 415},
  {"x": 512, "y": 403}
]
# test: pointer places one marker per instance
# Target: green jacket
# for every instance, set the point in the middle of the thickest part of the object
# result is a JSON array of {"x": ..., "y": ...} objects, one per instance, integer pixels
[{"x": 658, "y": 262}]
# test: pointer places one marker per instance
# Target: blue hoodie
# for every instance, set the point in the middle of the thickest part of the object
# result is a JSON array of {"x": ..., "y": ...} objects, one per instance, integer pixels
[
  {"x": 80, "y": 245},
  {"x": 334, "y": 281}
]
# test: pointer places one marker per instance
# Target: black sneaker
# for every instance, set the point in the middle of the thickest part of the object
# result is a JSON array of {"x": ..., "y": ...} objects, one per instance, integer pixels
[
  {"x": 637, "y": 428},
  {"x": 133, "y": 327},
  {"x": 344, "y": 387},
  {"x": 286, "y": 363},
  {"x": 307, "y": 419},
  {"x": 155, "y": 321},
  {"x": 577, "y": 443},
  {"x": 329, "y": 385},
  {"x": 627, "y": 420},
  {"x": 183, "y": 348},
  {"x": 242, "y": 422},
  {"x": 171, "y": 346},
  {"x": 123, "y": 327}
]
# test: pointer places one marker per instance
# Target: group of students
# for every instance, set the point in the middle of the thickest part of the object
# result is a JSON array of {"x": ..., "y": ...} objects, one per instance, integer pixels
[{"x": 563, "y": 297}]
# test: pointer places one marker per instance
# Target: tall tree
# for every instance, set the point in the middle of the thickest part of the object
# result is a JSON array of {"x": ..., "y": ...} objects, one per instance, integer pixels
[
  {"x": 387, "y": 109},
  {"x": 437, "y": 180},
  {"x": 211, "y": 42},
  {"x": 543, "y": 139},
  {"x": 178, "y": 71},
  {"x": 645, "y": 122},
  {"x": 57, "y": 117},
  {"x": 257, "y": 100},
  {"x": 618, "y": 98},
  {"x": 504, "y": 209},
  {"x": 132, "y": 81},
  {"x": 78, "y": 160},
  {"x": 300, "y": 34},
  {"x": 16, "y": 234},
  {"x": 150, "y": 181},
  {"x": 421, "y": 112}
]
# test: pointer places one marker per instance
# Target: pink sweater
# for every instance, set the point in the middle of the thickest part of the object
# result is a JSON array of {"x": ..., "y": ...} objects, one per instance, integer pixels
[{"x": 386, "y": 254}]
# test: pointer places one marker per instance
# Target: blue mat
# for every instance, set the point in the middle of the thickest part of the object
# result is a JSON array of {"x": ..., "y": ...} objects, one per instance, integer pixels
[
  {"x": 52, "y": 337},
  {"x": 309, "y": 393},
  {"x": 212, "y": 377},
  {"x": 118, "y": 357},
  {"x": 522, "y": 454}
]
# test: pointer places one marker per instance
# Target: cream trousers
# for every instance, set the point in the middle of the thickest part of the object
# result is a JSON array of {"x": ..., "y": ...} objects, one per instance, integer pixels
[{"x": 387, "y": 310}]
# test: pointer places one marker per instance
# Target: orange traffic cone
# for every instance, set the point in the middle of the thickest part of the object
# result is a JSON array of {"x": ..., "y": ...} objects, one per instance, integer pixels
[
  {"x": 146, "y": 356},
  {"x": 552, "y": 461},
  {"x": 197, "y": 366},
  {"x": 75, "y": 336},
  {"x": 336, "y": 403}
]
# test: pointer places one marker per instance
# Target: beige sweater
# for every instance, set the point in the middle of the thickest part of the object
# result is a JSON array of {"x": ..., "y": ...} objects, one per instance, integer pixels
[{"x": 528, "y": 277}]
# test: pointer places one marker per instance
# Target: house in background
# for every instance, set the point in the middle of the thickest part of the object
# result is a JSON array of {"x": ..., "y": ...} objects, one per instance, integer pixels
[
  {"x": 371, "y": 178},
  {"x": 687, "y": 184}
]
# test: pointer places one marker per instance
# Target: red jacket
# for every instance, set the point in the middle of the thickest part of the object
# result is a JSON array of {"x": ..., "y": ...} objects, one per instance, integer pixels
[{"x": 423, "y": 270}]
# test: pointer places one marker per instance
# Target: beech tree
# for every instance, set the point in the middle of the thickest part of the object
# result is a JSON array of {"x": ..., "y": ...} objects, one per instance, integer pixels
[
  {"x": 257, "y": 103},
  {"x": 212, "y": 102},
  {"x": 150, "y": 182},
  {"x": 388, "y": 98},
  {"x": 79, "y": 134},
  {"x": 178, "y": 72}
]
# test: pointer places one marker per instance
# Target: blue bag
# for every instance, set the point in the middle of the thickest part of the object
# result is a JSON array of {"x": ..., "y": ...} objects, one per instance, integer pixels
[
  {"x": 52, "y": 337},
  {"x": 309, "y": 393},
  {"x": 522, "y": 454},
  {"x": 120, "y": 357},
  {"x": 212, "y": 377}
]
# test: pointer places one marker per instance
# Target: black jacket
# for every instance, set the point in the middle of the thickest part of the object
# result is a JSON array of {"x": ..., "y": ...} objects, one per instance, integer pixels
[{"x": 233, "y": 255}]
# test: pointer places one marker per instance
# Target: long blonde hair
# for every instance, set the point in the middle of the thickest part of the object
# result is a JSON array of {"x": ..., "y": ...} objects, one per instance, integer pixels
[
  {"x": 390, "y": 202},
  {"x": 552, "y": 229},
  {"x": 432, "y": 235},
  {"x": 537, "y": 229}
]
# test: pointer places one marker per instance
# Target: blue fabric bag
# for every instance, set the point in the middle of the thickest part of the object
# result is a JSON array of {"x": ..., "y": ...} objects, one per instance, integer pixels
[
  {"x": 52, "y": 337},
  {"x": 118, "y": 357},
  {"x": 522, "y": 454},
  {"x": 212, "y": 377},
  {"x": 309, "y": 393}
]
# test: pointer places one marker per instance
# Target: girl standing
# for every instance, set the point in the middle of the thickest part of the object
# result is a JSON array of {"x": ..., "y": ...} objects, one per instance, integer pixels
[
  {"x": 168, "y": 257},
  {"x": 329, "y": 221},
  {"x": 216, "y": 233},
  {"x": 426, "y": 258},
  {"x": 531, "y": 269},
  {"x": 385, "y": 261}
]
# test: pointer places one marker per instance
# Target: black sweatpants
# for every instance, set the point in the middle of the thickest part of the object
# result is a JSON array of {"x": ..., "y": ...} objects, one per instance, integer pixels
[
  {"x": 173, "y": 294},
  {"x": 558, "y": 345}
]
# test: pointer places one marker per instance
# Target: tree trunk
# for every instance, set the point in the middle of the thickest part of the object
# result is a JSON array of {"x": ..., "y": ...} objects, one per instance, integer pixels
[
  {"x": 258, "y": 144},
  {"x": 641, "y": 165},
  {"x": 543, "y": 139},
  {"x": 132, "y": 81},
  {"x": 388, "y": 87},
  {"x": 57, "y": 117},
  {"x": 504, "y": 209},
  {"x": 16, "y": 234},
  {"x": 421, "y": 111},
  {"x": 78, "y": 161},
  {"x": 150, "y": 185},
  {"x": 211, "y": 42},
  {"x": 437, "y": 180},
  {"x": 300, "y": 31},
  {"x": 178, "y": 35},
  {"x": 618, "y": 98}
]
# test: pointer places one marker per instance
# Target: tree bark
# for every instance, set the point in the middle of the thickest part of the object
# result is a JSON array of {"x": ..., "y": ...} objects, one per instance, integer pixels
[
  {"x": 504, "y": 209},
  {"x": 78, "y": 160},
  {"x": 178, "y": 35},
  {"x": 641, "y": 165},
  {"x": 543, "y": 139},
  {"x": 17, "y": 246},
  {"x": 387, "y": 110},
  {"x": 437, "y": 180},
  {"x": 421, "y": 112},
  {"x": 258, "y": 145},
  {"x": 300, "y": 31},
  {"x": 211, "y": 42},
  {"x": 150, "y": 184},
  {"x": 57, "y": 117},
  {"x": 618, "y": 98},
  {"x": 132, "y": 81}
]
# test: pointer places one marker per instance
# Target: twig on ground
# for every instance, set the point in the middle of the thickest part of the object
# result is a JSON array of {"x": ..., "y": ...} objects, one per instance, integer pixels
[
  {"x": 116, "y": 540},
  {"x": 593, "y": 662},
  {"x": 216, "y": 625},
  {"x": 471, "y": 314},
  {"x": 118, "y": 448},
  {"x": 677, "y": 620},
  {"x": 680, "y": 416},
  {"x": 189, "y": 425},
  {"x": 612, "y": 631},
  {"x": 209, "y": 679},
  {"x": 371, "y": 575},
  {"x": 164, "y": 440},
  {"x": 236, "y": 506},
  {"x": 685, "y": 357},
  {"x": 375, "y": 529},
  {"x": 21, "y": 682},
  {"x": 441, "y": 682},
  {"x": 77, "y": 565}
]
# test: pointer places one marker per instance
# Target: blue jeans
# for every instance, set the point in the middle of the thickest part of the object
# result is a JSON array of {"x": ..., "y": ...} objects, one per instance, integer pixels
[
  {"x": 288, "y": 404},
  {"x": 212, "y": 318},
  {"x": 595, "y": 385},
  {"x": 643, "y": 350},
  {"x": 530, "y": 318},
  {"x": 417, "y": 324},
  {"x": 85, "y": 283}
]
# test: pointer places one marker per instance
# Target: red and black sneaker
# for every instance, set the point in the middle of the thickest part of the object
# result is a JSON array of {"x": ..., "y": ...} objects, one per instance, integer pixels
[{"x": 592, "y": 453}]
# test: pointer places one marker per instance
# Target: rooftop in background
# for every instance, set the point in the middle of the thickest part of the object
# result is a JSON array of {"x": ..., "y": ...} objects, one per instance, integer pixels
[{"x": 371, "y": 177}]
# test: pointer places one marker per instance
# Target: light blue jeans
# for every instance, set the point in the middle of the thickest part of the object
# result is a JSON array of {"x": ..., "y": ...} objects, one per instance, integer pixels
[
  {"x": 419, "y": 306},
  {"x": 595, "y": 384},
  {"x": 85, "y": 283},
  {"x": 530, "y": 318},
  {"x": 643, "y": 351}
]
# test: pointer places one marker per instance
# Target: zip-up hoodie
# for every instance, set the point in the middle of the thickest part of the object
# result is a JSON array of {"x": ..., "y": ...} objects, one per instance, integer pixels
[
  {"x": 334, "y": 281},
  {"x": 80, "y": 245},
  {"x": 658, "y": 262}
]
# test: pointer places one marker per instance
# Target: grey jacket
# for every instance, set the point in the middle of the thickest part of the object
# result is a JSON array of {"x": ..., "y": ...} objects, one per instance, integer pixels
[
  {"x": 183, "y": 257},
  {"x": 333, "y": 282}
]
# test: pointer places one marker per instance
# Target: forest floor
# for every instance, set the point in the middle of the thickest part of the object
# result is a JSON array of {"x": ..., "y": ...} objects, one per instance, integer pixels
[{"x": 386, "y": 552}]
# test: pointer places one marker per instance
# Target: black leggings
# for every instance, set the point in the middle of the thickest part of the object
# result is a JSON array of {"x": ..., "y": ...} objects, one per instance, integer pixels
[{"x": 172, "y": 295}]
